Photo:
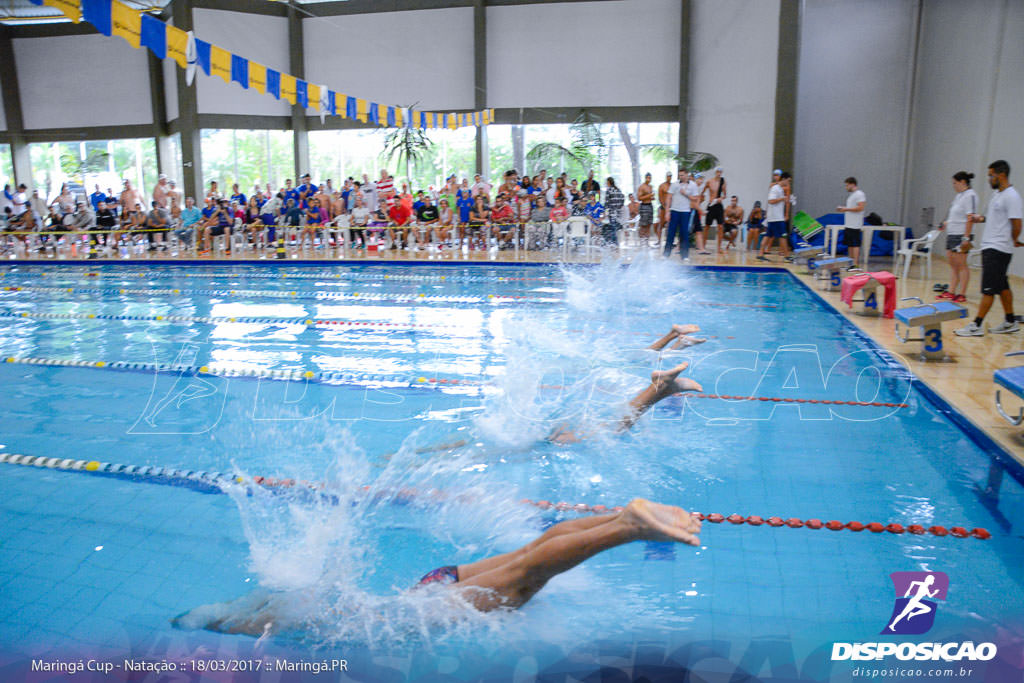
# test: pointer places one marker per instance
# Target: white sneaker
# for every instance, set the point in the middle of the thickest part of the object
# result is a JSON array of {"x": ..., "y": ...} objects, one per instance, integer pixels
[
  {"x": 1004, "y": 327},
  {"x": 972, "y": 329}
]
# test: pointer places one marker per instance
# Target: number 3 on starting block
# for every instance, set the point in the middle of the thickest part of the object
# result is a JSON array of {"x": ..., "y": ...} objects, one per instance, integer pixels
[{"x": 933, "y": 341}]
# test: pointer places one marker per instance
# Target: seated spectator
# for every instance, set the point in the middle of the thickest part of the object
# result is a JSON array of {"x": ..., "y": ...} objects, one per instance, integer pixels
[
  {"x": 237, "y": 195},
  {"x": 190, "y": 220},
  {"x": 314, "y": 221},
  {"x": 733, "y": 220},
  {"x": 446, "y": 230},
  {"x": 503, "y": 219},
  {"x": 559, "y": 212},
  {"x": 106, "y": 220},
  {"x": 83, "y": 220},
  {"x": 360, "y": 219},
  {"x": 633, "y": 206},
  {"x": 755, "y": 223},
  {"x": 218, "y": 225},
  {"x": 399, "y": 216},
  {"x": 427, "y": 216},
  {"x": 538, "y": 230},
  {"x": 479, "y": 218},
  {"x": 594, "y": 212},
  {"x": 158, "y": 221},
  {"x": 270, "y": 212}
]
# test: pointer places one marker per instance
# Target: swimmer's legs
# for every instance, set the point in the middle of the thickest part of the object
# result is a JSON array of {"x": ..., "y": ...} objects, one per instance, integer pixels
[
  {"x": 664, "y": 383},
  {"x": 515, "y": 582},
  {"x": 252, "y": 614},
  {"x": 676, "y": 331},
  {"x": 468, "y": 571}
]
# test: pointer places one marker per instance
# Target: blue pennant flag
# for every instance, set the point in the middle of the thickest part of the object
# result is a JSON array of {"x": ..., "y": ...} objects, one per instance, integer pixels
[
  {"x": 350, "y": 108},
  {"x": 97, "y": 13},
  {"x": 240, "y": 70},
  {"x": 274, "y": 83},
  {"x": 203, "y": 55},
  {"x": 391, "y": 117},
  {"x": 301, "y": 93},
  {"x": 153, "y": 34}
]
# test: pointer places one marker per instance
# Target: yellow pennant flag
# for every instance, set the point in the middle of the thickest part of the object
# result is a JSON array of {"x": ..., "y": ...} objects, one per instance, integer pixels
[
  {"x": 362, "y": 110},
  {"x": 399, "y": 117},
  {"x": 177, "y": 45},
  {"x": 220, "y": 63},
  {"x": 70, "y": 8},
  {"x": 313, "y": 91},
  {"x": 341, "y": 104},
  {"x": 258, "y": 77},
  {"x": 126, "y": 23},
  {"x": 452, "y": 121},
  {"x": 288, "y": 88}
]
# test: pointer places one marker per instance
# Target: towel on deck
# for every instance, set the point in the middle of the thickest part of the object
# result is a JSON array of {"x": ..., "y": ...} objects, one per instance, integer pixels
[{"x": 853, "y": 283}]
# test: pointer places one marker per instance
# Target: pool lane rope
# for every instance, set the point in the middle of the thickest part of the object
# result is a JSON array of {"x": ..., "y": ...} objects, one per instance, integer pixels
[
  {"x": 400, "y": 277},
  {"x": 295, "y": 294},
  {"x": 214, "y": 482},
  {"x": 385, "y": 381}
]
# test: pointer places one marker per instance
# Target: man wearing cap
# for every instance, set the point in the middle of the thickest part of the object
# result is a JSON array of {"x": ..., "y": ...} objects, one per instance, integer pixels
[{"x": 715, "y": 211}]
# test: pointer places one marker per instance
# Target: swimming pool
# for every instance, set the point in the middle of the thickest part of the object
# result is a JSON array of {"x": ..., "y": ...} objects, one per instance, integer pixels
[{"x": 345, "y": 375}]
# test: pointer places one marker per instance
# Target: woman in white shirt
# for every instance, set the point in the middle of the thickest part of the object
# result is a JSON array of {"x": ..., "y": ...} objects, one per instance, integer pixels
[{"x": 958, "y": 226}]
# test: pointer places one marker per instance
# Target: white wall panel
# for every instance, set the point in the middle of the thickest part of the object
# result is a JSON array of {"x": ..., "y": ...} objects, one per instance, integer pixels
[
  {"x": 257, "y": 37},
  {"x": 422, "y": 57},
  {"x": 589, "y": 54},
  {"x": 852, "y": 102},
  {"x": 171, "y": 69},
  {"x": 955, "y": 74},
  {"x": 733, "y": 69},
  {"x": 71, "y": 81}
]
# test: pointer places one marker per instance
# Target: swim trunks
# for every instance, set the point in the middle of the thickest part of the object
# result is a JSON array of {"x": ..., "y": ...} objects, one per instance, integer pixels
[{"x": 442, "y": 575}]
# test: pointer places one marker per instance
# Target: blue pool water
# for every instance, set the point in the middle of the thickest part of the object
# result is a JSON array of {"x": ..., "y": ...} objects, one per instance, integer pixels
[{"x": 101, "y": 564}]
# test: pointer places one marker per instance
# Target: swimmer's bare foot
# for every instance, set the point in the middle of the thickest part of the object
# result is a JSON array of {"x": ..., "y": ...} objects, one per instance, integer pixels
[
  {"x": 685, "y": 342},
  {"x": 659, "y": 377},
  {"x": 683, "y": 330},
  {"x": 657, "y": 522}
]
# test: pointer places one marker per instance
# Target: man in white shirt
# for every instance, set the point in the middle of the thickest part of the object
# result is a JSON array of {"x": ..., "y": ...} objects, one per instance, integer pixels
[
  {"x": 680, "y": 196},
  {"x": 775, "y": 216},
  {"x": 1002, "y": 233},
  {"x": 853, "y": 220}
]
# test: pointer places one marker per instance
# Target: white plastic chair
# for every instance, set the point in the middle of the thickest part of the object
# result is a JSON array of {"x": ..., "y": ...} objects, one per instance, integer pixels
[
  {"x": 629, "y": 236},
  {"x": 923, "y": 247},
  {"x": 575, "y": 228}
]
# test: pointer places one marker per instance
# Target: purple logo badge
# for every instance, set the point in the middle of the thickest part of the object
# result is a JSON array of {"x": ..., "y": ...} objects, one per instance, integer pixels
[{"x": 916, "y": 593}]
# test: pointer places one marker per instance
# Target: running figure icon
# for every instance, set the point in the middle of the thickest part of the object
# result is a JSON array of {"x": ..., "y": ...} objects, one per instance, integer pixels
[
  {"x": 916, "y": 602},
  {"x": 915, "y": 607}
]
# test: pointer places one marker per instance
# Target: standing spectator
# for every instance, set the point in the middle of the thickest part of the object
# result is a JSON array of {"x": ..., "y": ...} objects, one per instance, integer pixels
[
  {"x": 613, "y": 203},
  {"x": 160, "y": 192},
  {"x": 1002, "y": 235},
  {"x": 292, "y": 194},
  {"x": 305, "y": 191},
  {"x": 958, "y": 226},
  {"x": 591, "y": 185},
  {"x": 19, "y": 200},
  {"x": 173, "y": 195},
  {"x": 664, "y": 200},
  {"x": 385, "y": 187},
  {"x": 96, "y": 197},
  {"x": 369, "y": 190},
  {"x": 853, "y": 220},
  {"x": 679, "y": 208},
  {"x": 464, "y": 203},
  {"x": 238, "y": 196},
  {"x": 214, "y": 192},
  {"x": 37, "y": 204},
  {"x": 645, "y": 195},
  {"x": 776, "y": 216},
  {"x": 66, "y": 200},
  {"x": 716, "y": 193},
  {"x": 129, "y": 198},
  {"x": 481, "y": 186}
]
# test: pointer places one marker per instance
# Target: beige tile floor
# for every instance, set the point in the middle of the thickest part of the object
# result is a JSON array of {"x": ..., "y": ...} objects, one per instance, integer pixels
[{"x": 966, "y": 383}]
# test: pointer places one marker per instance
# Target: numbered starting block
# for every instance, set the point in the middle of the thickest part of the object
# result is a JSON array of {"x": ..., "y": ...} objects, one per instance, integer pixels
[
  {"x": 872, "y": 299},
  {"x": 929, "y": 317},
  {"x": 1011, "y": 379},
  {"x": 826, "y": 271},
  {"x": 805, "y": 253}
]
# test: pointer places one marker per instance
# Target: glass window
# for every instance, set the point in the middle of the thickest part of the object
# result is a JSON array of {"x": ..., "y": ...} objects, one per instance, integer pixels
[
  {"x": 95, "y": 162},
  {"x": 6, "y": 166},
  {"x": 340, "y": 154},
  {"x": 247, "y": 157}
]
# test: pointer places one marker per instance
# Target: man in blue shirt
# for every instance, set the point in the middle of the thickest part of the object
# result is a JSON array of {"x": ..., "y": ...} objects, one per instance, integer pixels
[
  {"x": 190, "y": 217},
  {"x": 306, "y": 191},
  {"x": 291, "y": 193},
  {"x": 237, "y": 195},
  {"x": 96, "y": 197},
  {"x": 464, "y": 204}
]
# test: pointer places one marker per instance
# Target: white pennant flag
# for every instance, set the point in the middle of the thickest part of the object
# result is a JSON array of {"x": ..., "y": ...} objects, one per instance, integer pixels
[{"x": 191, "y": 58}]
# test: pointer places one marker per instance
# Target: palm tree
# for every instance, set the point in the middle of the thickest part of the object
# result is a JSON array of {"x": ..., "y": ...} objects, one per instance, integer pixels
[
  {"x": 587, "y": 147},
  {"x": 76, "y": 168},
  {"x": 406, "y": 146}
]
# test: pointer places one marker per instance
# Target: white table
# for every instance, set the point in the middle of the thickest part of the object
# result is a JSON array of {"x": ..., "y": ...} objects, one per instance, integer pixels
[{"x": 897, "y": 232}]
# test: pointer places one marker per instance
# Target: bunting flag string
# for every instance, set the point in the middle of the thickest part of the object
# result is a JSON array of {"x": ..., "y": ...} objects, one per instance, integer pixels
[{"x": 145, "y": 30}]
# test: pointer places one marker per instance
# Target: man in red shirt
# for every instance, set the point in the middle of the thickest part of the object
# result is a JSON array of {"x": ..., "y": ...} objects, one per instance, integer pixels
[
  {"x": 503, "y": 219},
  {"x": 399, "y": 215}
]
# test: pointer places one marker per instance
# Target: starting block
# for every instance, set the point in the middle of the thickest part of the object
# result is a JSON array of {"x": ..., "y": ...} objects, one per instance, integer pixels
[
  {"x": 929, "y": 317},
  {"x": 1011, "y": 379},
  {"x": 869, "y": 304},
  {"x": 826, "y": 271},
  {"x": 804, "y": 253}
]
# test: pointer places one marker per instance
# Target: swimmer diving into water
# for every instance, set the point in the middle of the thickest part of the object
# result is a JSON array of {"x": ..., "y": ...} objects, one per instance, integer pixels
[{"x": 506, "y": 581}]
